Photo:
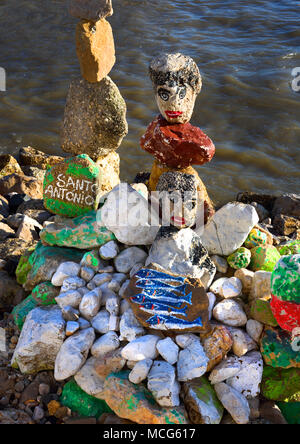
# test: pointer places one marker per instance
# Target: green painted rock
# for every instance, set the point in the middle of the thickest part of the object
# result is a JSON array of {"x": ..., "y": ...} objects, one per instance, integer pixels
[
  {"x": 136, "y": 403},
  {"x": 72, "y": 187},
  {"x": 201, "y": 402},
  {"x": 285, "y": 279},
  {"x": 277, "y": 349},
  {"x": 42, "y": 294},
  {"x": 264, "y": 258},
  {"x": 92, "y": 260},
  {"x": 280, "y": 384},
  {"x": 256, "y": 238},
  {"x": 78, "y": 401},
  {"x": 292, "y": 247},
  {"x": 44, "y": 262},
  {"x": 240, "y": 258},
  {"x": 261, "y": 311},
  {"x": 291, "y": 411},
  {"x": 24, "y": 267},
  {"x": 83, "y": 232}
]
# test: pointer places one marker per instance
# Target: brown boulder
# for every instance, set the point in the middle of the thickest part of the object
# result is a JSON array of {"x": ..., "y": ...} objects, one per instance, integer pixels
[
  {"x": 287, "y": 204},
  {"x": 13, "y": 249},
  {"x": 29, "y": 156},
  {"x": 286, "y": 225},
  {"x": 11, "y": 293},
  {"x": 6, "y": 231},
  {"x": 95, "y": 49},
  {"x": 9, "y": 165},
  {"x": 22, "y": 185},
  {"x": 111, "y": 362}
]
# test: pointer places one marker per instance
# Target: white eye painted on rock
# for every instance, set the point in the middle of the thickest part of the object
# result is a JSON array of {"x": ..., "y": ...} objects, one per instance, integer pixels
[
  {"x": 164, "y": 94},
  {"x": 182, "y": 92}
]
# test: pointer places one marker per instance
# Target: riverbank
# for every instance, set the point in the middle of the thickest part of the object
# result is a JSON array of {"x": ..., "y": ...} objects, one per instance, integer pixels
[{"x": 107, "y": 328}]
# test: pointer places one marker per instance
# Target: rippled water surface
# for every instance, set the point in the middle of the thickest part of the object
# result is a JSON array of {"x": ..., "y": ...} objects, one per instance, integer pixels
[{"x": 246, "y": 51}]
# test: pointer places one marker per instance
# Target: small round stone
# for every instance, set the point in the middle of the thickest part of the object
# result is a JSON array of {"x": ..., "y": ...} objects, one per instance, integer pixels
[
  {"x": 256, "y": 238},
  {"x": 44, "y": 389},
  {"x": 240, "y": 258}
]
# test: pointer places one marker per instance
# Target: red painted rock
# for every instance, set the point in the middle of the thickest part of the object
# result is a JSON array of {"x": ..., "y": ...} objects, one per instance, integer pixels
[
  {"x": 287, "y": 314},
  {"x": 177, "y": 145}
]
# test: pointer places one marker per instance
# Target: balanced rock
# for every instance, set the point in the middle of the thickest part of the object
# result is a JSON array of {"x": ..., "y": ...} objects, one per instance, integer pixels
[
  {"x": 83, "y": 233},
  {"x": 163, "y": 301},
  {"x": 72, "y": 187},
  {"x": 228, "y": 228},
  {"x": 73, "y": 354},
  {"x": 95, "y": 49},
  {"x": 127, "y": 215},
  {"x": 44, "y": 262},
  {"x": 136, "y": 403},
  {"x": 201, "y": 402},
  {"x": 41, "y": 338},
  {"x": 264, "y": 258},
  {"x": 93, "y": 10},
  {"x": 181, "y": 252},
  {"x": 95, "y": 118},
  {"x": 279, "y": 349},
  {"x": 177, "y": 146}
]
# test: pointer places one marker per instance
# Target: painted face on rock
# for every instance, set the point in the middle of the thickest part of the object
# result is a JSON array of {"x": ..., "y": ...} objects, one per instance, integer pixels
[
  {"x": 178, "y": 199},
  {"x": 176, "y": 103},
  {"x": 177, "y": 82}
]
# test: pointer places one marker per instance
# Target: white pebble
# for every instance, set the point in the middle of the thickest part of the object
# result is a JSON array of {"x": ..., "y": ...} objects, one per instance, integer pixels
[
  {"x": 101, "y": 322},
  {"x": 168, "y": 350},
  {"x": 184, "y": 340},
  {"x": 107, "y": 343},
  {"x": 231, "y": 288},
  {"x": 140, "y": 370},
  {"x": 109, "y": 250},
  {"x": 65, "y": 270},
  {"x": 141, "y": 348},
  {"x": 71, "y": 298},
  {"x": 254, "y": 329},
  {"x": 90, "y": 304},
  {"x": 72, "y": 283},
  {"x": 230, "y": 313},
  {"x": 71, "y": 328},
  {"x": 112, "y": 304},
  {"x": 87, "y": 273}
]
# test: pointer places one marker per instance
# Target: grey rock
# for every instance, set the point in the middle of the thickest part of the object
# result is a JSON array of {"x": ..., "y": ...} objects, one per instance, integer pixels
[
  {"x": 71, "y": 298},
  {"x": 163, "y": 385},
  {"x": 126, "y": 214},
  {"x": 41, "y": 338},
  {"x": 168, "y": 350},
  {"x": 226, "y": 369},
  {"x": 130, "y": 328},
  {"x": 107, "y": 343},
  {"x": 101, "y": 322},
  {"x": 95, "y": 118},
  {"x": 192, "y": 362},
  {"x": 141, "y": 348},
  {"x": 89, "y": 381},
  {"x": 73, "y": 354},
  {"x": 128, "y": 258},
  {"x": 228, "y": 229},
  {"x": 235, "y": 403},
  {"x": 140, "y": 370}
]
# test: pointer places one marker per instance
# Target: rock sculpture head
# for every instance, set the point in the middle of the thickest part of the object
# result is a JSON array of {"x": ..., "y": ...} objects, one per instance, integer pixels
[
  {"x": 178, "y": 199},
  {"x": 177, "y": 82}
]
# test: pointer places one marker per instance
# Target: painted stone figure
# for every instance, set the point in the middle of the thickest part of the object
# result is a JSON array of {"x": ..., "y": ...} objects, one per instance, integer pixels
[
  {"x": 177, "y": 248},
  {"x": 176, "y": 144}
]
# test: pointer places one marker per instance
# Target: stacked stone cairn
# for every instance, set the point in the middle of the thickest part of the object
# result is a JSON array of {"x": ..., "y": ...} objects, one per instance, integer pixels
[
  {"x": 143, "y": 316},
  {"x": 95, "y": 113}
]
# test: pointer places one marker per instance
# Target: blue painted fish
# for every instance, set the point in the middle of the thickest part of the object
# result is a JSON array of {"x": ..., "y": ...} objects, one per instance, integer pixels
[{"x": 170, "y": 322}]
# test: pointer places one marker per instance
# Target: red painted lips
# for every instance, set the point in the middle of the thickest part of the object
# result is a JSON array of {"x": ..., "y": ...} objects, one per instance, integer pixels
[{"x": 173, "y": 114}]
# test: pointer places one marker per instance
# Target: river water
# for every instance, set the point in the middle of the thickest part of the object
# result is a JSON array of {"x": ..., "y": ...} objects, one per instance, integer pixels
[{"x": 245, "y": 50}]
